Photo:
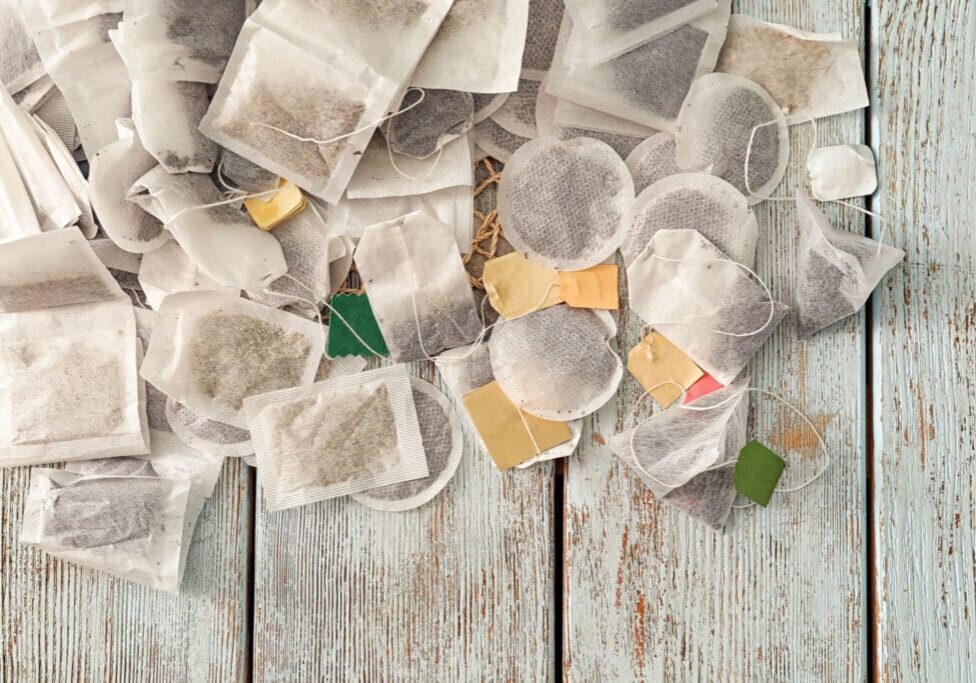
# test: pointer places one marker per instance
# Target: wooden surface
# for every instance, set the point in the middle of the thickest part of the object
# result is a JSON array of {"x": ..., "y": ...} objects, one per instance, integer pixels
[{"x": 572, "y": 570}]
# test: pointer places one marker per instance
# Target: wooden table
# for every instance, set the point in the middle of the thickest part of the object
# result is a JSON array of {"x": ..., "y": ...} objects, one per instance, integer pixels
[{"x": 571, "y": 570}]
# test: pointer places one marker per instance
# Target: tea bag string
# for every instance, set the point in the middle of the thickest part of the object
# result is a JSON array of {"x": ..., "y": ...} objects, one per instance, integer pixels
[
  {"x": 425, "y": 176},
  {"x": 225, "y": 202}
]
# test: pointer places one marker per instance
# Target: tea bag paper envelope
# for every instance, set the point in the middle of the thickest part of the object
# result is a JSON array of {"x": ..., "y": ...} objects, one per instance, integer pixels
[
  {"x": 426, "y": 120},
  {"x": 662, "y": 369},
  {"x": 841, "y": 172},
  {"x": 167, "y": 115},
  {"x": 417, "y": 286},
  {"x": 210, "y": 351},
  {"x": 499, "y": 31},
  {"x": 377, "y": 176},
  {"x": 517, "y": 286},
  {"x": 336, "y": 437},
  {"x": 705, "y": 304},
  {"x": 836, "y": 270},
  {"x": 808, "y": 74},
  {"x": 518, "y": 114}
]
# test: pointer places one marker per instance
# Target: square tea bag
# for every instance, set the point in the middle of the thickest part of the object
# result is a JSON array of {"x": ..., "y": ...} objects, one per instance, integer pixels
[{"x": 336, "y": 437}]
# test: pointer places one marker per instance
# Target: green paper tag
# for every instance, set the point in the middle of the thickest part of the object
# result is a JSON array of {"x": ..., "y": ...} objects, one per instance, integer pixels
[
  {"x": 355, "y": 310},
  {"x": 757, "y": 472}
]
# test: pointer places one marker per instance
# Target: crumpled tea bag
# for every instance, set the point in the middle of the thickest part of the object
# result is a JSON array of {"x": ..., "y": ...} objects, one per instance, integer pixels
[
  {"x": 685, "y": 455},
  {"x": 807, "y": 74},
  {"x": 478, "y": 48},
  {"x": 836, "y": 270},
  {"x": 517, "y": 114},
  {"x": 416, "y": 282},
  {"x": 545, "y": 18},
  {"x": 20, "y": 65},
  {"x": 167, "y": 115},
  {"x": 495, "y": 141},
  {"x": 564, "y": 204},
  {"x": 694, "y": 201},
  {"x": 17, "y": 216},
  {"x": 704, "y": 303},
  {"x": 725, "y": 118},
  {"x": 440, "y": 433},
  {"x": 653, "y": 160},
  {"x": 646, "y": 85},
  {"x": 842, "y": 172},
  {"x": 556, "y": 363},
  {"x": 220, "y": 240},
  {"x": 167, "y": 270},
  {"x": 210, "y": 351},
  {"x": 429, "y": 119},
  {"x": 337, "y": 437}
]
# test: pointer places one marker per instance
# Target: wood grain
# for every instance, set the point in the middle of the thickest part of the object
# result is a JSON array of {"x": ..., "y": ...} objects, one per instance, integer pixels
[
  {"x": 925, "y": 344},
  {"x": 654, "y": 595}
]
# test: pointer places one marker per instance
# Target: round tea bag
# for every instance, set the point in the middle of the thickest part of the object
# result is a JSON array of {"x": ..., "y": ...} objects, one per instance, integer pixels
[
  {"x": 441, "y": 435},
  {"x": 556, "y": 363},
  {"x": 207, "y": 435},
  {"x": 653, "y": 160},
  {"x": 428, "y": 120},
  {"x": 694, "y": 201},
  {"x": 719, "y": 117},
  {"x": 563, "y": 204}
]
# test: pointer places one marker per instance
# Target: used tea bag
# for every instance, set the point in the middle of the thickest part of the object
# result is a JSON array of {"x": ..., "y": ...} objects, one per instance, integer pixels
[
  {"x": 653, "y": 160},
  {"x": 545, "y": 18},
  {"x": 167, "y": 115},
  {"x": 441, "y": 436},
  {"x": 808, "y": 74},
  {"x": 685, "y": 455},
  {"x": 836, "y": 270},
  {"x": 842, "y": 172},
  {"x": 220, "y": 240},
  {"x": 557, "y": 363},
  {"x": 707, "y": 305},
  {"x": 20, "y": 65},
  {"x": 496, "y": 141},
  {"x": 418, "y": 287},
  {"x": 726, "y": 118},
  {"x": 478, "y": 48},
  {"x": 564, "y": 204},
  {"x": 67, "y": 166},
  {"x": 694, "y": 201},
  {"x": 210, "y": 351},
  {"x": 517, "y": 115},
  {"x": 429, "y": 119},
  {"x": 381, "y": 175},
  {"x": 337, "y": 437},
  {"x": 167, "y": 270}
]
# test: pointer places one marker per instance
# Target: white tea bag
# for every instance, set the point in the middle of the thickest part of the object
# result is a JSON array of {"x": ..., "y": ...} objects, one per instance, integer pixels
[
  {"x": 440, "y": 433},
  {"x": 20, "y": 65},
  {"x": 545, "y": 18},
  {"x": 168, "y": 270},
  {"x": 155, "y": 400},
  {"x": 613, "y": 27},
  {"x": 653, "y": 160},
  {"x": 836, "y": 270},
  {"x": 495, "y": 141},
  {"x": 73, "y": 178},
  {"x": 807, "y": 74},
  {"x": 694, "y": 201},
  {"x": 704, "y": 303},
  {"x": 427, "y": 121},
  {"x": 167, "y": 115},
  {"x": 498, "y": 30},
  {"x": 487, "y": 104},
  {"x": 564, "y": 204},
  {"x": 208, "y": 436},
  {"x": 568, "y": 114},
  {"x": 842, "y": 172},
  {"x": 341, "y": 266},
  {"x": 17, "y": 217},
  {"x": 727, "y": 119},
  {"x": 337, "y": 437},
  {"x": 245, "y": 175},
  {"x": 123, "y": 265},
  {"x": 517, "y": 115},
  {"x": 417, "y": 285},
  {"x": 556, "y": 363},
  {"x": 210, "y": 351},
  {"x": 221, "y": 240}
]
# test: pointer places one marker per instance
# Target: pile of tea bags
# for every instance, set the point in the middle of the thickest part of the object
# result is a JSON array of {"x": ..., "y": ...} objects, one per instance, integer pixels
[{"x": 214, "y": 217}]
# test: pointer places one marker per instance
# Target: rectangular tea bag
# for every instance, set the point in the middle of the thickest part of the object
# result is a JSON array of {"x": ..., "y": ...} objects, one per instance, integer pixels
[{"x": 336, "y": 437}]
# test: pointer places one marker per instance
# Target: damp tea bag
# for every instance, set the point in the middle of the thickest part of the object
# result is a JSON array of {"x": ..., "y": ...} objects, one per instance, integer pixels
[
  {"x": 653, "y": 160},
  {"x": 842, "y": 172},
  {"x": 429, "y": 119}
]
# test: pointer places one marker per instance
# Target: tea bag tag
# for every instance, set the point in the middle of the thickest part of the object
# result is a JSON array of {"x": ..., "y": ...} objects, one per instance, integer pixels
[
  {"x": 594, "y": 287},
  {"x": 660, "y": 367},
  {"x": 517, "y": 286},
  {"x": 757, "y": 472},
  {"x": 353, "y": 323},
  {"x": 842, "y": 172},
  {"x": 703, "y": 387},
  {"x": 270, "y": 212}
]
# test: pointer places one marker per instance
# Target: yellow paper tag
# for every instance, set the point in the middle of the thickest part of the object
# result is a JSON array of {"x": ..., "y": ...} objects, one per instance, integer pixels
[
  {"x": 656, "y": 361},
  {"x": 502, "y": 429},
  {"x": 270, "y": 212},
  {"x": 594, "y": 287},
  {"x": 517, "y": 286}
]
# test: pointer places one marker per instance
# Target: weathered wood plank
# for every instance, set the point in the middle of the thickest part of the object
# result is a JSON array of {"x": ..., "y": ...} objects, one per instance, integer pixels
[
  {"x": 59, "y": 621},
  {"x": 925, "y": 348},
  {"x": 653, "y": 595}
]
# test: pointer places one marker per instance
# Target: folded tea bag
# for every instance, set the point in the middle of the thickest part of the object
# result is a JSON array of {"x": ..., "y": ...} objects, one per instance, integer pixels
[
  {"x": 707, "y": 305},
  {"x": 497, "y": 29},
  {"x": 653, "y": 160},
  {"x": 336, "y": 437},
  {"x": 685, "y": 455},
  {"x": 220, "y": 240},
  {"x": 808, "y": 74},
  {"x": 418, "y": 287},
  {"x": 564, "y": 204},
  {"x": 20, "y": 65},
  {"x": 167, "y": 115},
  {"x": 694, "y": 201},
  {"x": 496, "y": 141},
  {"x": 440, "y": 433},
  {"x": 556, "y": 363},
  {"x": 487, "y": 104},
  {"x": 662, "y": 369},
  {"x": 836, "y": 270},
  {"x": 545, "y": 18},
  {"x": 205, "y": 435},
  {"x": 17, "y": 217},
  {"x": 647, "y": 84},
  {"x": 168, "y": 270},
  {"x": 724, "y": 118},
  {"x": 517, "y": 115},
  {"x": 210, "y": 351},
  {"x": 429, "y": 119},
  {"x": 842, "y": 172},
  {"x": 381, "y": 174}
]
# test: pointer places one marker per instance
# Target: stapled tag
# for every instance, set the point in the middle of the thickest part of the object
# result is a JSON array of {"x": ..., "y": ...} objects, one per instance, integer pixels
[
  {"x": 594, "y": 287},
  {"x": 269, "y": 212},
  {"x": 516, "y": 286},
  {"x": 757, "y": 472},
  {"x": 503, "y": 430},
  {"x": 662, "y": 369},
  {"x": 703, "y": 387},
  {"x": 354, "y": 310}
]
